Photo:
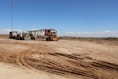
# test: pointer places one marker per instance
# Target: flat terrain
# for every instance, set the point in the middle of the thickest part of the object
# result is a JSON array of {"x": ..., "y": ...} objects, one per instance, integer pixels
[{"x": 63, "y": 59}]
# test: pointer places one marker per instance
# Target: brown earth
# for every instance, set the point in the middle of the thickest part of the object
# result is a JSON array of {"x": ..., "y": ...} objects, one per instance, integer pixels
[{"x": 63, "y": 59}]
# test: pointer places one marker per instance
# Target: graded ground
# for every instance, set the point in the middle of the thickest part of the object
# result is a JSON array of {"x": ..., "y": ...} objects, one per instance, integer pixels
[{"x": 63, "y": 59}]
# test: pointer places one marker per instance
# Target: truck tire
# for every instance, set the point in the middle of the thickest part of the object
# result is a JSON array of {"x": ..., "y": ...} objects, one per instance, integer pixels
[{"x": 47, "y": 39}]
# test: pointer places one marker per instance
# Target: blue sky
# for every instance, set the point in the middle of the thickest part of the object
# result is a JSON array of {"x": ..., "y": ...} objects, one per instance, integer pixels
[{"x": 67, "y": 16}]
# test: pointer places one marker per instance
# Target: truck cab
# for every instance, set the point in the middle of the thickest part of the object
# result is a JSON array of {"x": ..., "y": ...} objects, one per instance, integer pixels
[
  {"x": 13, "y": 34},
  {"x": 51, "y": 35}
]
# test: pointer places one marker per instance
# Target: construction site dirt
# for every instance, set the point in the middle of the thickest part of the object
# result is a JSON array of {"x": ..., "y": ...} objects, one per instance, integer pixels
[{"x": 63, "y": 59}]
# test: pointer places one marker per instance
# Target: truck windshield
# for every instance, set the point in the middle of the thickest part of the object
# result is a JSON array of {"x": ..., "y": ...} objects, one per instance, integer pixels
[{"x": 53, "y": 33}]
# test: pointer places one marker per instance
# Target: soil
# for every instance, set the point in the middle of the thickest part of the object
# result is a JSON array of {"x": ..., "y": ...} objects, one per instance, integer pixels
[{"x": 63, "y": 59}]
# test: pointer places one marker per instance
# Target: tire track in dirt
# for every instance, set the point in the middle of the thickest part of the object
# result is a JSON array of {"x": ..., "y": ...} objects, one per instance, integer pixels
[
  {"x": 60, "y": 70},
  {"x": 21, "y": 61},
  {"x": 74, "y": 65},
  {"x": 49, "y": 65},
  {"x": 89, "y": 70}
]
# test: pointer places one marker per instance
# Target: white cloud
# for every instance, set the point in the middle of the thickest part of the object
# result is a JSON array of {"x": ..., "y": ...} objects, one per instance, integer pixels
[
  {"x": 70, "y": 32},
  {"x": 106, "y": 33},
  {"x": 7, "y": 30},
  {"x": 34, "y": 29}
]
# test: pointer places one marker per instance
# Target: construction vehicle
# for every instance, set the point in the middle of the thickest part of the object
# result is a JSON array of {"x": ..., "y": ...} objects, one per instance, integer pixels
[
  {"x": 48, "y": 34},
  {"x": 16, "y": 35},
  {"x": 51, "y": 35},
  {"x": 13, "y": 34},
  {"x": 32, "y": 36},
  {"x": 20, "y": 35}
]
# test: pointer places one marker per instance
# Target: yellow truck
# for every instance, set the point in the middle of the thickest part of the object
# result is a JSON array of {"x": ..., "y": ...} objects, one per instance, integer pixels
[{"x": 51, "y": 35}]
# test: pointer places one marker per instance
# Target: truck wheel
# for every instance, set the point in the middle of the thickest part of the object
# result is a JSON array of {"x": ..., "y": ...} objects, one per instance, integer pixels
[
  {"x": 22, "y": 38},
  {"x": 34, "y": 38},
  {"x": 47, "y": 39},
  {"x": 10, "y": 37}
]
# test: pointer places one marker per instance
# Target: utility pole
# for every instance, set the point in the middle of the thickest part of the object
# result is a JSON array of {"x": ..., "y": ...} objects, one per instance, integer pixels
[{"x": 11, "y": 1}]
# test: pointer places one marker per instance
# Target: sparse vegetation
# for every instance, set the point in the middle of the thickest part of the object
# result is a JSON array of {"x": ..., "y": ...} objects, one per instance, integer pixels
[{"x": 89, "y": 38}]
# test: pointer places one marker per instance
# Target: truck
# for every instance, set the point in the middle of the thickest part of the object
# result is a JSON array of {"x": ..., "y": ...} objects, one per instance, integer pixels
[
  {"x": 48, "y": 34},
  {"x": 51, "y": 35},
  {"x": 20, "y": 35},
  {"x": 13, "y": 34}
]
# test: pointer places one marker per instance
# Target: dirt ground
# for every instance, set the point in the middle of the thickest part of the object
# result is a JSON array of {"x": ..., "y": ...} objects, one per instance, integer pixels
[{"x": 63, "y": 59}]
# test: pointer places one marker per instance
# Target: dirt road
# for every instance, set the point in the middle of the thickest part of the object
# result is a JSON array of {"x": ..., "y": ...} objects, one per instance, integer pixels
[{"x": 63, "y": 59}]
